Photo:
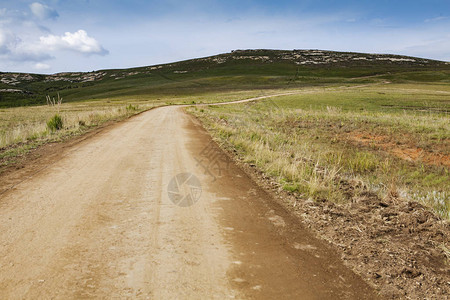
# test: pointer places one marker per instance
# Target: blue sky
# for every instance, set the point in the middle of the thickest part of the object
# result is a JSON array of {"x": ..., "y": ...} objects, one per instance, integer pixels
[{"x": 83, "y": 35}]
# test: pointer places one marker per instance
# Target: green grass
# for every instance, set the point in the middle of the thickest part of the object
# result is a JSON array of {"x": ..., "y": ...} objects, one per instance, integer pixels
[
  {"x": 25, "y": 128},
  {"x": 315, "y": 141},
  {"x": 21, "y": 127},
  {"x": 236, "y": 72},
  {"x": 54, "y": 124},
  {"x": 352, "y": 120}
]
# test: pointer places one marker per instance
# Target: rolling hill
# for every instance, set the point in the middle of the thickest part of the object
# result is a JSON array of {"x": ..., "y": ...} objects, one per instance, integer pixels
[{"x": 240, "y": 69}]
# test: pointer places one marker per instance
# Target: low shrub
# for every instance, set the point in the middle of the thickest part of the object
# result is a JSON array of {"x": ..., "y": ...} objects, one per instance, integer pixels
[{"x": 55, "y": 123}]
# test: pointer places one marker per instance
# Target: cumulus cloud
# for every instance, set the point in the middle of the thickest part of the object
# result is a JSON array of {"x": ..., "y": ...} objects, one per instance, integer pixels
[
  {"x": 26, "y": 42},
  {"x": 25, "y": 51},
  {"x": 42, "y": 11},
  {"x": 13, "y": 48},
  {"x": 78, "y": 41}
]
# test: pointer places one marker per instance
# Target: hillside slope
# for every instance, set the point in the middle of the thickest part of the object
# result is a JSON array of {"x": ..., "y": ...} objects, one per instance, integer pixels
[{"x": 236, "y": 70}]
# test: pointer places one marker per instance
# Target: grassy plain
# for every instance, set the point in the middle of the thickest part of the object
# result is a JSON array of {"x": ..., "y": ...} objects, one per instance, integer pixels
[
  {"x": 362, "y": 136},
  {"x": 25, "y": 128},
  {"x": 378, "y": 120},
  {"x": 334, "y": 143}
]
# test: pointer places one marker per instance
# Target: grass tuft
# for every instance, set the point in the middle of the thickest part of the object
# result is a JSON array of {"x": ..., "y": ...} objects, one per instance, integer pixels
[{"x": 55, "y": 123}]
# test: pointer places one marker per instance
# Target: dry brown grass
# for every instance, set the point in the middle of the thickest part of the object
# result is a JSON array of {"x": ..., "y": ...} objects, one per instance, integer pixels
[{"x": 309, "y": 150}]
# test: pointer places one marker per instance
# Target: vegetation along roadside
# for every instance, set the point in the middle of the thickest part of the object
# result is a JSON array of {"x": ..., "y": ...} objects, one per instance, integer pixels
[{"x": 372, "y": 161}]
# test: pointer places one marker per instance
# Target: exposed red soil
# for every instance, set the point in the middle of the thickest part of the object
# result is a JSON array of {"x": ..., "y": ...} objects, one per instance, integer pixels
[{"x": 402, "y": 151}]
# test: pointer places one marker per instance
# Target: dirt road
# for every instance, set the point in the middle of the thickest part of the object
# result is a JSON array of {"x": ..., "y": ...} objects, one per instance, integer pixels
[{"x": 107, "y": 221}]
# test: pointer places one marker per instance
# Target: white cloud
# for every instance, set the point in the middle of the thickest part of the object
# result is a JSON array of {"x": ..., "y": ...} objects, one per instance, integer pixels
[
  {"x": 13, "y": 48},
  {"x": 27, "y": 48},
  {"x": 41, "y": 66},
  {"x": 78, "y": 41},
  {"x": 42, "y": 11},
  {"x": 23, "y": 51},
  {"x": 6, "y": 39},
  {"x": 25, "y": 41},
  {"x": 169, "y": 37}
]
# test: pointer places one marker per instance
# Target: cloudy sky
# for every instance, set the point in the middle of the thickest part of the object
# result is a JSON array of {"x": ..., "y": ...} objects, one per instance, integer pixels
[{"x": 51, "y": 36}]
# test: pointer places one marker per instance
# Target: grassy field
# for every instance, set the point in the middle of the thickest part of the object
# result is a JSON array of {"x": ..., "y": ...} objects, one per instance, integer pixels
[
  {"x": 224, "y": 73},
  {"x": 377, "y": 122},
  {"x": 337, "y": 142},
  {"x": 25, "y": 128},
  {"x": 359, "y": 141}
]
